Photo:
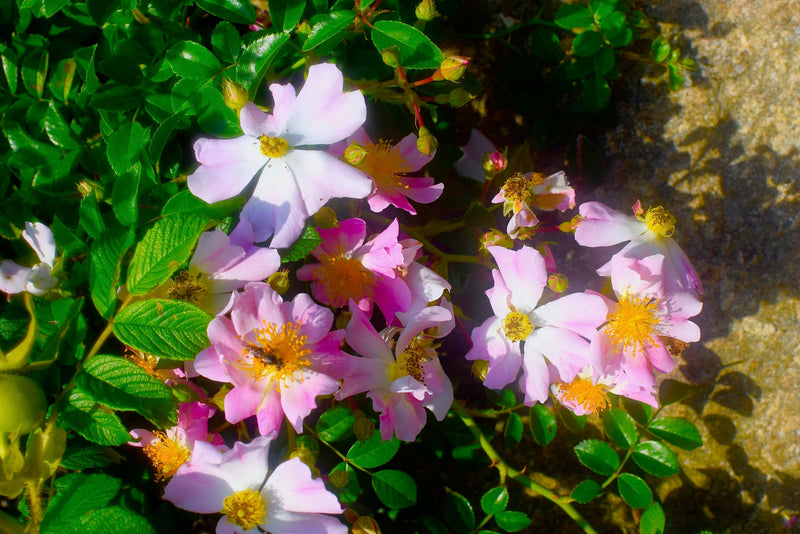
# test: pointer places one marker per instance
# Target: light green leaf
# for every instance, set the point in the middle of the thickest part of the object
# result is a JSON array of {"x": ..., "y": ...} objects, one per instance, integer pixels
[
  {"x": 236, "y": 11},
  {"x": 329, "y": 28},
  {"x": 125, "y": 196},
  {"x": 395, "y": 489},
  {"x": 57, "y": 129},
  {"x": 350, "y": 491},
  {"x": 109, "y": 520},
  {"x": 415, "y": 49},
  {"x": 374, "y": 452},
  {"x": 10, "y": 68},
  {"x": 34, "y": 71},
  {"x": 573, "y": 17},
  {"x": 653, "y": 520},
  {"x": 105, "y": 262},
  {"x": 165, "y": 328},
  {"x": 513, "y": 430},
  {"x": 163, "y": 249},
  {"x": 308, "y": 241},
  {"x": 494, "y": 501},
  {"x": 192, "y": 60},
  {"x": 336, "y": 424},
  {"x": 186, "y": 202},
  {"x": 286, "y": 13},
  {"x": 93, "y": 421}
]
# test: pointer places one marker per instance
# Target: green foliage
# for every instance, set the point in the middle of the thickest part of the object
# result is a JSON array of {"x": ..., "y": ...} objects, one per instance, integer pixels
[
  {"x": 396, "y": 489},
  {"x": 374, "y": 452},
  {"x": 586, "y": 491},
  {"x": 336, "y": 424},
  {"x": 494, "y": 501},
  {"x": 634, "y": 491},
  {"x": 676, "y": 431},
  {"x": 543, "y": 424},
  {"x": 655, "y": 458},
  {"x": 598, "y": 456}
]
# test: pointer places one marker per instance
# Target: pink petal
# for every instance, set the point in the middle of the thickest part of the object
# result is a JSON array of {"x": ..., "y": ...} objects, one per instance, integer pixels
[
  {"x": 535, "y": 381},
  {"x": 523, "y": 273},
  {"x": 579, "y": 312},
  {"x": 299, "y": 397},
  {"x": 292, "y": 486},
  {"x": 504, "y": 356},
  {"x": 41, "y": 240},
  {"x": 282, "y": 522},
  {"x": 407, "y": 147},
  {"x": 226, "y": 167},
  {"x": 214, "y": 252},
  {"x": 364, "y": 339},
  {"x": 244, "y": 401},
  {"x": 601, "y": 226},
  {"x": 277, "y": 205},
  {"x": 13, "y": 277}
]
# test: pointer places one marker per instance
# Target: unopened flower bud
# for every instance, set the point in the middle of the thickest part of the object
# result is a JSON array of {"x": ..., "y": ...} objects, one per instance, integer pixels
[
  {"x": 366, "y": 525},
  {"x": 363, "y": 426},
  {"x": 452, "y": 68},
  {"x": 426, "y": 142},
  {"x": 557, "y": 282},
  {"x": 391, "y": 57},
  {"x": 279, "y": 281},
  {"x": 304, "y": 28},
  {"x": 326, "y": 218},
  {"x": 426, "y": 10},
  {"x": 494, "y": 163},
  {"x": 495, "y": 238},
  {"x": 479, "y": 369},
  {"x": 459, "y": 97},
  {"x": 22, "y": 404},
  {"x": 235, "y": 95},
  {"x": 339, "y": 479},
  {"x": 350, "y": 515},
  {"x": 570, "y": 225},
  {"x": 355, "y": 154}
]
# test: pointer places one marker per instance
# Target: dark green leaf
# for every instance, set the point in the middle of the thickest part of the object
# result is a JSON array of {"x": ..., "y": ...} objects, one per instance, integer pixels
[
  {"x": 122, "y": 385},
  {"x": 652, "y": 521},
  {"x": 77, "y": 494},
  {"x": 165, "y": 328},
  {"x": 93, "y": 421},
  {"x": 286, "y": 13},
  {"x": 350, "y": 492},
  {"x": 598, "y": 456},
  {"x": 415, "y": 49},
  {"x": 478, "y": 216},
  {"x": 634, "y": 491},
  {"x": 676, "y": 431},
  {"x": 192, "y": 60},
  {"x": 66, "y": 239},
  {"x": 125, "y": 196},
  {"x": 257, "y": 58},
  {"x": 621, "y": 39},
  {"x": 34, "y": 71},
  {"x": 620, "y": 427},
  {"x": 113, "y": 97},
  {"x": 308, "y": 241},
  {"x": 125, "y": 145},
  {"x": 655, "y": 458},
  {"x": 236, "y": 11},
  {"x": 91, "y": 220},
  {"x": 80, "y": 457},
  {"x": 374, "y": 452},
  {"x": 395, "y": 489},
  {"x": 57, "y": 129},
  {"x": 51, "y": 7},
  {"x": 186, "y": 202},
  {"x": 641, "y": 412},
  {"x": 596, "y": 94},
  {"x": 604, "y": 61},
  {"x": 587, "y": 43},
  {"x": 543, "y": 424},
  {"x": 105, "y": 261},
  {"x": 494, "y": 501},
  {"x": 166, "y": 246},
  {"x": 10, "y": 69},
  {"x": 330, "y": 28},
  {"x": 586, "y": 491},
  {"x": 164, "y": 132},
  {"x": 458, "y": 512},
  {"x": 226, "y": 41},
  {"x": 671, "y": 391},
  {"x": 512, "y": 521},
  {"x": 573, "y": 423},
  {"x": 336, "y": 424},
  {"x": 101, "y": 10},
  {"x": 546, "y": 46},
  {"x": 61, "y": 81},
  {"x": 613, "y": 25},
  {"x": 573, "y": 16},
  {"x": 432, "y": 525},
  {"x": 513, "y": 430}
]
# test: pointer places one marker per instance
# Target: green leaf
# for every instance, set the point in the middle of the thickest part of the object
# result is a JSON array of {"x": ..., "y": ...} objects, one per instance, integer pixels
[
  {"x": 77, "y": 494},
  {"x": 10, "y": 69},
  {"x": 308, "y": 241},
  {"x": 125, "y": 196},
  {"x": 105, "y": 264},
  {"x": 350, "y": 492},
  {"x": 374, "y": 452},
  {"x": 598, "y": 456},
  {"x": 236, "y": 11},
  {"x": 415, "y": 49},
  {"x": 634, "y": 491},
  {"x": 613, "y": 25},
  {"x": 336, "y": 424},
  {"x": 395, "y": 489},
  {"x": 676, "y": 431},
  {"x": 604, "y": 61},
  {"x": 122, "y": 385},
  {"x": 80, "y": 457},
  {"x": 655, "y": 458},
  {"x": 107, "y": 521},
  {"x": 432, "y": 525},
  {"x": 671, "y": 391},
  {"x": 543, "y": 424},
  {"x": 66, "y": 239},
  {"x": 57, "y": 129},
  {"x": 186, "y": 202},
  {"x": 34, "y": 71},
  {"x": 101, "y": 10},
  {"x": 330, "y": 28},
  {"x": 164, "y": 132},
  {"x": 494, "y": 501},
  {"x": 586, "y": 491},
  {"x": 587, "y": 43},
  {"x": 165, "y": 247},
  {"x": 226, "y": 41},
  {"x": 192, "y": 60},
  {"x": 165, "y": 328},
  {"x": 652, "y": 520},
  {"x": 512, "y": 521},
  {"x": 546, "y": 46},
  {"x": 113, "y": 97},
  {"x": 286, "y": 14},
  {"x": 676, "y": 78},
  {"x": 125, "y": 145},
  {"x": 93, "y": 421},
  {"x": 257, "y": 58},
  {"x": 51, "y": 7},
  {"x": 458, "y": 512},
  {"x": 620, "y": 427},
  {"x": 513, "y": 430},
  {"x": 621, "y": 39},
  {"x": 601, "y": 8},
  {"x": 63, "y": 76},
  {"x": 596, "y": 94},
  {"x": 641, "y": 412},
  {"x": 574, "y": 16}
]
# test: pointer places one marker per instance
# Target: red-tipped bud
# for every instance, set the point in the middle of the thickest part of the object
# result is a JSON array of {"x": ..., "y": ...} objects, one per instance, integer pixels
[
  {"x": 355, "y": 154},
  {"x": 557, "y": 282},
  {"x": 495, "y": 238},
  {"x": 494, "y": 163},
  {"x": 453, "y": 67},
  {"x": 426, "y": 142}
]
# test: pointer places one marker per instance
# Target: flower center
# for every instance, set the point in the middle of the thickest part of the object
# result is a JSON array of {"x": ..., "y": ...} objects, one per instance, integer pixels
[
  {"x": 278, "y": 353},
  {"x": 273, "y": 147},
  {"x": 660, "y": 221},
  {"x": 409, "y": 363},
  {"x": 187, "y": 287},
  {"x": 383, "y": 162},
  {"x": 517, "y": 326},
  {"x": 166, "y": 454},
  {"x": 245, "y": 509},
  {"x": 582, "y": 393},
  {"x": 633, "y": 321},
  {"x": 343, "y": 278},
  {"x": 517, "y": 188}
]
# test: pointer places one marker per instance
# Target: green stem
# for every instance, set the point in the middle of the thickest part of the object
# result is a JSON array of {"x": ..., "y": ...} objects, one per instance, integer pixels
[
  {"x": 37, "y": 513},
  {"x": 344, "y": 458},
  {"x": 505, "y": 469}
]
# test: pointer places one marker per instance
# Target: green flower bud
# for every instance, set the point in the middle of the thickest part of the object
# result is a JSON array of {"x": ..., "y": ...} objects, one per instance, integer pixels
[
  {"x": 279, "y": 281},
  {"x": 459, "y": 97},
  {"x": 557, "y": 282},
  {"x": 365, "y": 525},
  {"x": 426, "y": 10},
  {"x": 426, "y": 142},
  {"x": 453, "y": 67},
  {"x": 235, "y": 95},
  {"x": 355, "y": 154},
  {"x": 391, "y": 57},
  {"x": 22, "y": 404}
]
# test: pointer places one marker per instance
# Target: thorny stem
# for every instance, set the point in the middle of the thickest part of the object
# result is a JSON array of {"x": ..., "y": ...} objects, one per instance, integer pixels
[{"x": 506, "y": 470}]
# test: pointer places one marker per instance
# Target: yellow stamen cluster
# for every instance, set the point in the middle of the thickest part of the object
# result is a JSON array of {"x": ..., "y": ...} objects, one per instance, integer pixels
[
  {"x": 660, "y": 221},
  {"x": 148, "y": 362},
  {"x": 277, "y": 354},
  {"x": 517, "y": 188},
  {"x": 384, "y": 162},
  {"x": 582, "y": 392},
  {"x": 517, "y": 326},
  {"x": 245, "y": 509},
  {"x": 409, "y": 363},
  {"x": 187, "y": 287},
  {"x": 633, "y": 321},
  {"x": 343, "y": 278},
  {"x": 273, "y": 147},
  {"x": 167, "y": 455}
]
